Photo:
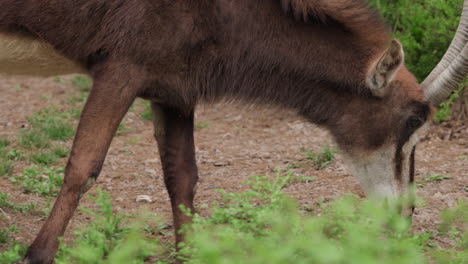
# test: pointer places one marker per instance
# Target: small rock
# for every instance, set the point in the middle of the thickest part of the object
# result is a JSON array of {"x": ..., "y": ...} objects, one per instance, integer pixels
[
  {"x": 143, "y": 199},
  {"x": 221, "y": 163},
  {"x": 150, "y": 172},
  {"x": 44, "y": 177}
]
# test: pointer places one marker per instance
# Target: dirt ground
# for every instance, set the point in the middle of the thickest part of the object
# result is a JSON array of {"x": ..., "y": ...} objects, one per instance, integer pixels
[{"x": 232, "y": 143}]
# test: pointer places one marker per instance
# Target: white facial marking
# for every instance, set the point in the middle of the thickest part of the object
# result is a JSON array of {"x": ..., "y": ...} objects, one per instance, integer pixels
[
  {"x": 407, "y": 149},
  {"x": 375, "y": 171}
]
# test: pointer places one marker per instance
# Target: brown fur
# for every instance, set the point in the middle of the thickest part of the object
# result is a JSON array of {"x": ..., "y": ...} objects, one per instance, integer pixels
[{"x": 178, "y": 53}]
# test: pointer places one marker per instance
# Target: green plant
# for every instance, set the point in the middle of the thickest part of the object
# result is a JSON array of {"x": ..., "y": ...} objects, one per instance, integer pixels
[
  {"x": 322, "y": 159},
  {"x": 454, "y": 226},
  {"x": 147, "y": 113},
  {"x": 46, "y": 125},
  {"x": 262, "y": 225},
  {"x": 201, "y": 125},
  {"x": 445, "y": 111},
  {"x": 4, "y": 142},
  {"x": 433, "y": 178},
  {"x": 61, "y": 152},
  {"x": 21, "y": 208},
  {"x": 438, "y": 177},
  {"x": 45, "y": 181},
  {"x": 15, "y": 155},
  {"x": 14, "y": 254},
  {"x": 44, "y": 157},
  {"x": 6, "y": 166},
  {"x": 122, "y": 129},
  {"x": 48, "y": 157},
  {"x": 106, "y": 239},
  {"x": 425, "y": 30},
  {"x": 4, "y": 236},
  {"x": 83, "y": 83}
]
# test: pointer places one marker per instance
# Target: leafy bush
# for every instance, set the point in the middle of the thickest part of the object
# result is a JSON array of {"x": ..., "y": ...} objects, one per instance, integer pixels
[
  {"x": 425, "y": 28},
  {"x": 263, "y": 226},
  {"x": 106, "y": 239},
  {"x": 14, "y": 254}
]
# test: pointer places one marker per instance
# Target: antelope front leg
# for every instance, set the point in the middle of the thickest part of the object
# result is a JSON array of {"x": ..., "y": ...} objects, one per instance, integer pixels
[
  {"x": 113, "y": 92},
  {"x": 173, "y": 130}
]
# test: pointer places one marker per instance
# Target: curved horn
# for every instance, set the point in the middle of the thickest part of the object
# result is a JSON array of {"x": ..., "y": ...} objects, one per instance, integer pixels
[{"x": 452, "y": 68}]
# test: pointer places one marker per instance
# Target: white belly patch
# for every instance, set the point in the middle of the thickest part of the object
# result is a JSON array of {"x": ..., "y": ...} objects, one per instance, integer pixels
[{"x": 23, "y": 55}]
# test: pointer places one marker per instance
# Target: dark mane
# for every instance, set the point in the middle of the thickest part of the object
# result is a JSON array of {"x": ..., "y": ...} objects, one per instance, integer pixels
[{"x": 354, "y": 15}]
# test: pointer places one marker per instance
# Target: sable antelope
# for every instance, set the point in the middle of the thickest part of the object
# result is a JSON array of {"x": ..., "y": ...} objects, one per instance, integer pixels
[{"x": 333, "y": 61}]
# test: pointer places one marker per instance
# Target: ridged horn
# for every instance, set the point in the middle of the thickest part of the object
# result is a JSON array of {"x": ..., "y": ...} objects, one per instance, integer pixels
[{"x": 452, "y": 68}]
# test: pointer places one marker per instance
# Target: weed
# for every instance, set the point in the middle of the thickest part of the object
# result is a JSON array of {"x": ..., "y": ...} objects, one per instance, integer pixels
[
  {"x": 21, "y": 208},
  {"x": 302, "y": 178},
  {"x": 122, "y": 129},
  {"x": 44, "y": 157},
  {"x": 42, "y": 180},
  {"x": 33, "y": 139},
  {"x": 15, "y": 155},
  {"x": 49, "y": 157},
  {"x": 53, "y": 123},
  {"x": 437, "y": 177},
  {"x": 444, "y": 112},
  {"x": 426, "y": 26},
  {"x": 147, "y": 113},
  {"x": 454, "y": 228},
  {"x": 76, "y": 101},
  {"x": 106, "y": 240},
  {"x": 134, "y": 140},
  {"x": 261, "y": 225},
  {"x": 322, "y": 159},
  {"x": 47, "y": 125},
  {"x": 14, "y": 254},
  {"x": 293, "y": 166},
  {"x": 4, "y": 236},
  {"x": 4, "y": 142},
  {"x": 83, "y": 83},
  {"x": 59, "y": 80},
  {"x": 201, "y": 125},
  {"x": 6, "y": 166},
  {"x": 61, "y": 152}
]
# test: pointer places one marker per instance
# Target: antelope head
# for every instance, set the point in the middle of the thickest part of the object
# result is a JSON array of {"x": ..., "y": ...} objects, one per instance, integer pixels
[{"x": 378, "y": 137}]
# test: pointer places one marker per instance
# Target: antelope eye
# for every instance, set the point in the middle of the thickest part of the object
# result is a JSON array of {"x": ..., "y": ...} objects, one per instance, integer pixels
[{"x": 414, "y": 122}]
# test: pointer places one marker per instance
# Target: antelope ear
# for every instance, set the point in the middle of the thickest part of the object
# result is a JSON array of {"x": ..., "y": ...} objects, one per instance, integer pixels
[{"x": 385, "y": 69}]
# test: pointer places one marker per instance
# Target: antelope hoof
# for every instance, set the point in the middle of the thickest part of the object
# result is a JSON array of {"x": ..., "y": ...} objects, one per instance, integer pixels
[{"x": 38, "y": 256}]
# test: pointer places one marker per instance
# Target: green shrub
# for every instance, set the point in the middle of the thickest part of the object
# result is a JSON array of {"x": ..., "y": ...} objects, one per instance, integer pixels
[
  {"x": 14, "y": 254},
  {"x": 106, "y": 239},
  {"x": 425, "y": 28},
  {"x": 263, "y": 226}
]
